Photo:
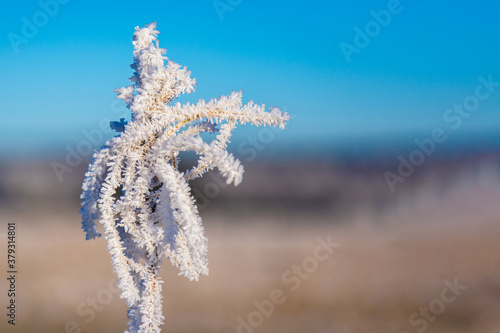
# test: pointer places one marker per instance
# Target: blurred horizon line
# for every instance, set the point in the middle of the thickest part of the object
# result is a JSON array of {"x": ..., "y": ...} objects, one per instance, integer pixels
[{"x": 265, "y": 145}]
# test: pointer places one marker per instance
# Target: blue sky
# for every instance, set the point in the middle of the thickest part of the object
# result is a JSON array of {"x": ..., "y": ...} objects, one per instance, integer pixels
[{"x": 282, "y": 53}]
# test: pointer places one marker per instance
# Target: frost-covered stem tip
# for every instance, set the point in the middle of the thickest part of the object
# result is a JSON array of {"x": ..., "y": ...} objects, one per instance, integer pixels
[{"x": 134, "y": 186}]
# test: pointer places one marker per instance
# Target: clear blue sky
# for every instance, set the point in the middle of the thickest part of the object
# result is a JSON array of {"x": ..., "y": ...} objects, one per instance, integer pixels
[{"x": 282, "y": 53}]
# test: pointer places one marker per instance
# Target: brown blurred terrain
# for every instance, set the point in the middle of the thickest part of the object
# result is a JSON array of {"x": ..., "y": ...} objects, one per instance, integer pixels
[{"x": 397, "y": 254}]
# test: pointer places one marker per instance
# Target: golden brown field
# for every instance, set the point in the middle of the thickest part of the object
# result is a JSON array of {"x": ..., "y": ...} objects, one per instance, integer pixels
[
  {"x": 376, "y": 278},
  {"x": 391, "y": 271}
]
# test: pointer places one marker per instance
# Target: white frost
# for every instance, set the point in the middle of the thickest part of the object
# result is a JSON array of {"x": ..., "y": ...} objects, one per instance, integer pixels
[{"x": 144, "y": 200}]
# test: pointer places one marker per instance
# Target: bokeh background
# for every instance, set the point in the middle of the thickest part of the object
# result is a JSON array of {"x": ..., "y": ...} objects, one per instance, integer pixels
[{"x": 392, "y": 154}]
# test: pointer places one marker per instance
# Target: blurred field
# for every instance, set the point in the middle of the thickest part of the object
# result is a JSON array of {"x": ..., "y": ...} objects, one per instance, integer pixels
[{"x": 396, "y": 251}]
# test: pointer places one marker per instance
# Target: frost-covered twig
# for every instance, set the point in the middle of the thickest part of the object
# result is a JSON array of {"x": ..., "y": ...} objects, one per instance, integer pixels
[{"x": 134, "y": 182}]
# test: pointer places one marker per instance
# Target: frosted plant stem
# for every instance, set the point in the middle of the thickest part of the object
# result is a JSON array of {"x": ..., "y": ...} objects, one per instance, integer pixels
[{"x": 134, "y": 186}]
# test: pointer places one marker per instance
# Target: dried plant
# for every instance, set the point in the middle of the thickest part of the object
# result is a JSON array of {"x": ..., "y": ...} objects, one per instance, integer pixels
[{"x": 134, "y": 182}]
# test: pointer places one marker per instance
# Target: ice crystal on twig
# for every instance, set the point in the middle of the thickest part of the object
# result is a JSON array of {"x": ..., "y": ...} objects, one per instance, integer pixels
[{"x": 134, "y": 186}]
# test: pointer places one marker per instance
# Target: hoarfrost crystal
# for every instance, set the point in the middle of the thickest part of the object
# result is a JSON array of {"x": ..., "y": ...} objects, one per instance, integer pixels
[{"x": 135, "y": 185}]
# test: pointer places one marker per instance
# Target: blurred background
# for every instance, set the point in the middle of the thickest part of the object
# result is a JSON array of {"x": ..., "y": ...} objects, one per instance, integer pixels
[{"x": 375, "y": 210}]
